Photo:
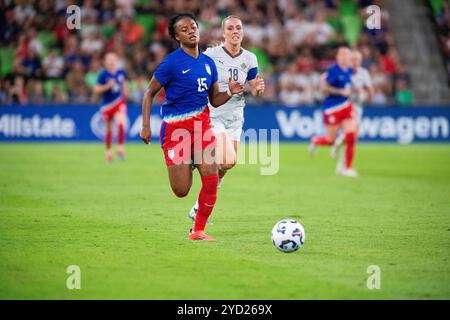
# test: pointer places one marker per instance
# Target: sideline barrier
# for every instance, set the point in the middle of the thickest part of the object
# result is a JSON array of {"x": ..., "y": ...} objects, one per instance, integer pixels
[{"x": 84, "y": 123}]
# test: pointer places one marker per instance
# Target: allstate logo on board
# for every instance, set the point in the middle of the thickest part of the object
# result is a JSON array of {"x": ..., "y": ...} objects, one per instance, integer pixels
[{"x": 98, "y": 125}]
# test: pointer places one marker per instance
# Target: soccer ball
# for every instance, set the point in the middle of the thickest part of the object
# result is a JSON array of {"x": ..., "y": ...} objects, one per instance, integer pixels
[{"x": 288, "y": 235}]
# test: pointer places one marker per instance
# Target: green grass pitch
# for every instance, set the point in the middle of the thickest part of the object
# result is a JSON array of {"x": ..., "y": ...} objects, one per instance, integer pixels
[{"x": 61, "y": 205}]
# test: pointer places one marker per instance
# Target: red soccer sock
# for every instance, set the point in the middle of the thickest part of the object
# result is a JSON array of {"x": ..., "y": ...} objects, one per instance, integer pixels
[
  {"x": 321, "y": 141},
  {"x": 206, "y": 201},
  {"x": 108, "y": 139},
  {"x": 350, "y": 141},
  {"x": 120, "y": 134}
]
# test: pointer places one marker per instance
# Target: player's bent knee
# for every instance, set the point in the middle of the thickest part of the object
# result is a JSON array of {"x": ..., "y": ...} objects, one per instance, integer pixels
[
  {"x": 227, "y": 166},
  {"x": 180, "y": 192}
]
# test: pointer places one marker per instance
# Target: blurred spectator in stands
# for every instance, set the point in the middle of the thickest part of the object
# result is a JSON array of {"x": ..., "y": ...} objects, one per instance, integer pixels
[
  {"x": 305, "y": 61},
  {"x": 134, "y": 32},
  {"x": 380, "y": 80},
  {"x": 91, "y": 44},
  {"x": 18, "y": 92},
  {"x": 23, "y": 11},
  {"x": 403, "y": 95},
  {"x": 36, "y": 92},
  {"x": 126, "y": 6},
  {"x": 291, "y": 95},
  {"x": 367, "y": 57},
  {"x": 61, "y": 32},
  {"x": 91, "y": 76},
  {"x": 293, "y": 90},
  {"x": 4, "y": 90},
  {"x": 90, "y": 25},
  {"x": 8, "y": 25},
  {"x": 254, "y": 32},
  {"x": 53, "y": 64},
  {"x": 298, "y": 28},
  {"x": 31, "y": 65},
  {"x": 44, "y": 18},
  {"x": 58, "y": 95},
  {"x": 379, "y": 97},
  {"x": 73, "y": 53},
  {"x": 310, "y": 81},
  {"x": 75, "y": 81},
  {"x": 277, "y": 32},
  {"x": 322, "y": 32},
  {"x": 34, "y": 43},
  {"x": 140, "y": 85},
  {"x": 140, "y": 62},
  {"x": 22, "y": 46},
  {"x": 81, "y": 95},
  {"x": 106, "y": 13},
  {"x": 88, "y": 10},
  {"x": 389, "y": 62}
]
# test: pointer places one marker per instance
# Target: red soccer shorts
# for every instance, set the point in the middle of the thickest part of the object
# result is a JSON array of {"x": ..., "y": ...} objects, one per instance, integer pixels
[
  {"x": 109, "y": 111},
  {"x": 185, "y": 140},
  {"x": 337, "y": 116}
]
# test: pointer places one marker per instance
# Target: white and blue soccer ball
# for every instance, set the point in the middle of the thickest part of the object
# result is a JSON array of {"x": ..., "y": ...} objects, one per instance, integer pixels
[{"x": 288, "y": 235}]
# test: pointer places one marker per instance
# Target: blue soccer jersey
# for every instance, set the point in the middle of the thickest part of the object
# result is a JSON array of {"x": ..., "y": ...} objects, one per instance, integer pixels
[
  {"x": 340, "y": 79},
  {"x": 187, "y": 82},
  {"x": 113, "y": 94}
]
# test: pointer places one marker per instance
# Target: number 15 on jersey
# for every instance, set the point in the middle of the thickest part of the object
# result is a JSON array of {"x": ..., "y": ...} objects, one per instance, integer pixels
[{"x": 202, "y": 85}]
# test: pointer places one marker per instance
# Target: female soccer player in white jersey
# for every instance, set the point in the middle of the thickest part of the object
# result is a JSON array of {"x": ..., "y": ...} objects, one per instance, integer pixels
[{"x": 235, "y": 63}]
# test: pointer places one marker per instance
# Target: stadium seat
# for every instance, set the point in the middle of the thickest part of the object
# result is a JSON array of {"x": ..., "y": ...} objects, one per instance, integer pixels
[
  {"x": 108, "y": 31},
  {"x": 348, "y": 8},
  {"x": 47, "y": 40},
  {"x": 335, "y": 22},
  {"x": 6, "y": 60},
  {"x": 50, "y": 84},
  {"x": 263, "y": 59},
  {"x": 148, "y": 22},
  {"x": 437, "y": 6},
  {"x": 351, "y": 28}
]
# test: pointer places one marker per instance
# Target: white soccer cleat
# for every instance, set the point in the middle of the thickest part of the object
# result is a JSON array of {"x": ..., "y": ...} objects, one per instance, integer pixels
[
  {"x": 350, "y": 172},
  {"x": 336, "y": 147},
  {"x": 193, "y": 211},
  {"x": 334, "y": 151},
  {"x": 340, "y": 166}
]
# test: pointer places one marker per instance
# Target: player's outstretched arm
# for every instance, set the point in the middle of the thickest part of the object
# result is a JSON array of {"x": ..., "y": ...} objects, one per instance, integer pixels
[
  {"x": 152, "y": 90},
  {"x": 257, "y": 86},
  {"x": 217, "y": 98}
]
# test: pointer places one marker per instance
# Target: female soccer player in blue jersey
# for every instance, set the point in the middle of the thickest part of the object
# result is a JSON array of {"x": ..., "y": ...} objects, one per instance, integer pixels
[
  {"x": 189, "y": 78},
  {"x": 112, "y": 84},
  {"x": 338, "y": 110}
]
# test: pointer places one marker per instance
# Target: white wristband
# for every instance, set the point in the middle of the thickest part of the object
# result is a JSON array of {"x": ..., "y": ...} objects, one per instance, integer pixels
[{"x": 229, "y": 92}]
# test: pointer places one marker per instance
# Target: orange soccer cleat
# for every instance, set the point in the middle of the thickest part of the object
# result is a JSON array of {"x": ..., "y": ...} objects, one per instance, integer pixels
[{"x": 199, "y": 235}]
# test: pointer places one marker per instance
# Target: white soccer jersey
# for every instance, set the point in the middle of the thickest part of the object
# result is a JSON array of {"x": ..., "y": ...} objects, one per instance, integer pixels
[
  {"x": 361, "y": 80},
  {"x": 240, "y": 68}
]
